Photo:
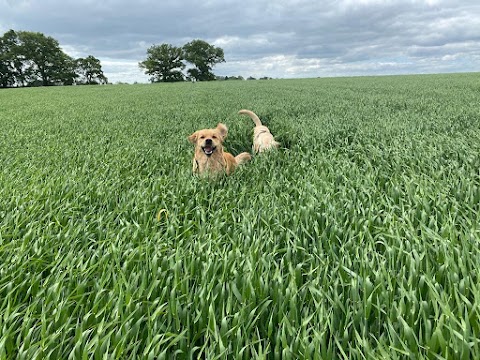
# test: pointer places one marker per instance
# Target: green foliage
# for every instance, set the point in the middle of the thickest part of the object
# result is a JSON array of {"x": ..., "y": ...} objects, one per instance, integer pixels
[
  {"x": 203, "y": 56},
  {"x": 90, "y": 71},
  {"x": 164, "y": 62},
  {"x": 10, "y": 64},
  {"x": 358, "y": 239},
  {"x": 43, "y": 60},
  {"x": 33, "y": 59}
]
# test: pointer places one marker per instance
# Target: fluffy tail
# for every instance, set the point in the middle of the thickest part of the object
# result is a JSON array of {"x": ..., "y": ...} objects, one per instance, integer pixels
[
  {"x": 252, "y": 115},
  {"x": 243, "y": 158}
]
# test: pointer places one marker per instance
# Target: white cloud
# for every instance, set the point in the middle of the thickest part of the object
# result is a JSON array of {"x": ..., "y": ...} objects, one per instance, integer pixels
[
  {"x": 235, "y": 41},
  {"x": 118, "y": 70}
]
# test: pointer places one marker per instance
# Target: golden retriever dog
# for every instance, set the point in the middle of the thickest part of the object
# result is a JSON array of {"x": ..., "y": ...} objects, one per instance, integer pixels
[
  {"x": 262, "y": 138},
  {"x": 209, "y": 158}
]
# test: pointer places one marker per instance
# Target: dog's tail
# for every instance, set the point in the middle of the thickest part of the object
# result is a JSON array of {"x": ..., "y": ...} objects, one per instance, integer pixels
[
  {"x": 242, "y": 158},
  {"x": 252, "y": 115}
]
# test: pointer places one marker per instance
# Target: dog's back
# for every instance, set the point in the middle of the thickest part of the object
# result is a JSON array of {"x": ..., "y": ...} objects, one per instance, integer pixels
[{"x": 262, "y": 138}]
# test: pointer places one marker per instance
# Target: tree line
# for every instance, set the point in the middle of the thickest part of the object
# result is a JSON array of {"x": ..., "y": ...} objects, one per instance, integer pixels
[{"x": 33, "y": 59}]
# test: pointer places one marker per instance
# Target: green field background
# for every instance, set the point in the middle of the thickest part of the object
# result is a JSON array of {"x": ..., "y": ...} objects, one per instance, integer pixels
[{"x": 359, "y": 238}]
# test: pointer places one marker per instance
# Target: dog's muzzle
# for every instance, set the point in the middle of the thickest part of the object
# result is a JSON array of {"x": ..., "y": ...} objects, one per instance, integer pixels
[{"x": 208, "y": 149}]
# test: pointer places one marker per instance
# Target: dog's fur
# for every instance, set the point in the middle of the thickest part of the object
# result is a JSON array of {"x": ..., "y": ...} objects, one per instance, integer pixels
[
  {"x": 209, "y": 158},
  {"x": 262, "y": 138}
]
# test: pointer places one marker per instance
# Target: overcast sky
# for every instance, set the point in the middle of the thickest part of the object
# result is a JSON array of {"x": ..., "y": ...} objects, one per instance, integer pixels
[{"x": 276, "y": 38}]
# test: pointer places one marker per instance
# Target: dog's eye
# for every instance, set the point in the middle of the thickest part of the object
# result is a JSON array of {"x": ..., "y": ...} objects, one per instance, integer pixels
[
  {"x": 214, "y": 137},
  {"x": 202, "y": 137}
]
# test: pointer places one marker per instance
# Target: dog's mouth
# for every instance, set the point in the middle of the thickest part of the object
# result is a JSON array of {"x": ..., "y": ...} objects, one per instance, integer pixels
[{"x": 208, "y": 150}]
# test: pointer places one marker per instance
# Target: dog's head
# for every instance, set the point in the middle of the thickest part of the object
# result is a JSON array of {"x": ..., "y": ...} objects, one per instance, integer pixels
[{"x": 209, "y": 140}]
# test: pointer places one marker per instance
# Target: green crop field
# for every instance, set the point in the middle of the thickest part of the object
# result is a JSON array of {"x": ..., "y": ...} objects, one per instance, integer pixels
[{"x": 358, "y": 239}]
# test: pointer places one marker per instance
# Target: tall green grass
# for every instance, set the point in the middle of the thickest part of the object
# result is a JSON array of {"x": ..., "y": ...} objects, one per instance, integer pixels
[{"x": 358, "y": 239}]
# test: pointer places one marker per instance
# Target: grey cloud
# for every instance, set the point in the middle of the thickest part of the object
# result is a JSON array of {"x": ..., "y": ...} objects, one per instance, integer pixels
[{"x": 349, "y": 36}]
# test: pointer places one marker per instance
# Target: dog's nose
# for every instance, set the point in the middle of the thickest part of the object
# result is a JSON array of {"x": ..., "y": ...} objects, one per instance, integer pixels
[{"x": 208, "y": 141}]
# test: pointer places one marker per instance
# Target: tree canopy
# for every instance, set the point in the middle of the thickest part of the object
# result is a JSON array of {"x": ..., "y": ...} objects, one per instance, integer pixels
[
  {"x": 10, "y": 63},
  {"x": 43, "y": 61},
  {"x": 33, "y": 59},
  {"x": 203, "y": 56},
  {"x": 90, "y": 71},
  {"x": 165, "y": 62}
]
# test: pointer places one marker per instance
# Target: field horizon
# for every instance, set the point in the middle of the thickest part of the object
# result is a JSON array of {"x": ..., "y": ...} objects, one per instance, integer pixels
[{"x": 358, "y": 238}]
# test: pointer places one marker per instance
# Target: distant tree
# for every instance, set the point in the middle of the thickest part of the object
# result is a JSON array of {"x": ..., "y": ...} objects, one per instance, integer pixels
[
  {"x": 235, "y": 78},
  {"x": 65, "y": 71},
  {"x": 33, "y": 59},
  {"x": 90, "y": 71},
  {"x": 203, "y": 56},
  {"x": 43, "y": 61},
  {"x": 10, "y": 66},
  {"x": 164, "y": 63},
  {"x": 251, "y": 78}
]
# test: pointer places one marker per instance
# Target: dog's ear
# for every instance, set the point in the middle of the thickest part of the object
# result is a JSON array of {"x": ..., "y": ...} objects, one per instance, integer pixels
[
  {"x": 193, "y": 138},
  {"x": 223, "y": 130}
]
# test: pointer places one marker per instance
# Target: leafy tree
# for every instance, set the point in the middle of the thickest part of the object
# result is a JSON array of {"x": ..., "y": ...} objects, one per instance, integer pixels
[
  {"x": 43, "y": 61},
  {"x": 90, "y": 71},
  {"x": 203, "y": 56},
  {"x": 10, "y": 64},
  {"x": 234, "y": 77},
  {"x": 164, "y": 63},
  {"x": 33, "y": 59}
]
